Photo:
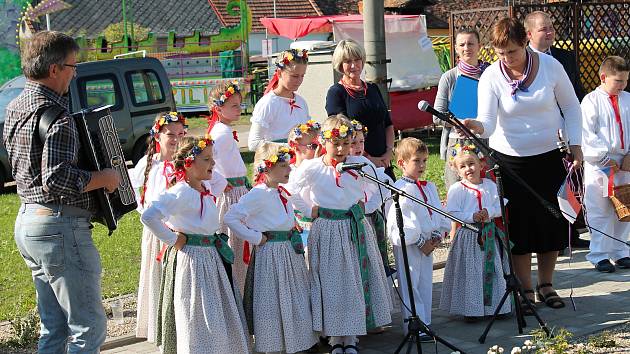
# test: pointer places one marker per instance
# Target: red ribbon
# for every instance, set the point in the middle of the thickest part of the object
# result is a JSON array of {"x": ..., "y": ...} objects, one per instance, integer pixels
[
  {"x": 246, "y": 253},
  {"x": 477, "y": 193},
  {"x": 283, "y": 199},
  {"x": 615, "y": 104},
  {"x": 421, "y": 184},
  {"x": 235, "y": 135},
  {"x": 202, "y": 194},
  {"x": 333, "y": 164},
  {"x": 157, "y": 146},
  {"x": 273, "y": 82},
  {"x": 179, "y": 175},
  {"x": 293, "y": 105},
  {"x": 167, "y": 171},
  {"x": 213, "y": 119}
]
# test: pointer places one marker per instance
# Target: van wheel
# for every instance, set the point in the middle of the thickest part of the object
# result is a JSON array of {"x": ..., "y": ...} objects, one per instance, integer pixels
[{"x": 139, "y": 150}]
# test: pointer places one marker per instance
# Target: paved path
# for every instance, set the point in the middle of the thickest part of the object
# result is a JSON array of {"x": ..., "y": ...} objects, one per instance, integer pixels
[{"x": 601, "y": 300}]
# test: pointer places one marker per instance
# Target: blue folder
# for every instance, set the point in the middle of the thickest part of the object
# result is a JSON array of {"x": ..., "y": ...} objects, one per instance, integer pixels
[{"x": 464, "y": 98}]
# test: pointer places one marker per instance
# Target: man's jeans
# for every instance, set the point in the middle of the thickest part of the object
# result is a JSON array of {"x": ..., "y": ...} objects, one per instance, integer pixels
[{"x": 56, "y": 244}]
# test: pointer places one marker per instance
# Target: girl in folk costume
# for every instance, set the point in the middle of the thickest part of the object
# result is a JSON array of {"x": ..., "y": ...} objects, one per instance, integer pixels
[
  {"x": 304, "y": 142},
  {"x": 149, "y": 178},
  {"x": 200, "y": 308},
  {"x": 280, "y": 296},
  {"x": 473, "y": 276},
  {"x": 376, "y": 195},
  {"x": 224, "y": 102},
  {"x": 281, "y": 108},
  {"x": 349, "y": 291}
]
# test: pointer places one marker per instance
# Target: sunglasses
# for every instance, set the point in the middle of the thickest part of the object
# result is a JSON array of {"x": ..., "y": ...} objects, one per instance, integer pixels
[{"x": 312, "y": 146}]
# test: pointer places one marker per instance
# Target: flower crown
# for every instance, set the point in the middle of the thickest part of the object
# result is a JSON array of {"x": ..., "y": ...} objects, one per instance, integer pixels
[
  {"x": 230, "y": 90},
  {"x": 466, "y": 148},
  {"x": 283, "y": 155},
  {"x": 167, "y": 118},
  {"x": 305, "y": 128},
  {"x": 358, "y": 126},
  {"x": 289, "y": 55},
  {"x": 197, "y": 149},
  {"x": 341, "y": 132}
]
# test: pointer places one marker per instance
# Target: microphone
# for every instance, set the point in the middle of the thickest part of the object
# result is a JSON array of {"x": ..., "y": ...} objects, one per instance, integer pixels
[
  {"x": 426, "y": 107},
  {"x": 342, "y": 167}
]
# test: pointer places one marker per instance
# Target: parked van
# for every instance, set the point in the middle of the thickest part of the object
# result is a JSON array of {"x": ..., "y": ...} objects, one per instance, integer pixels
[{"x": 136, "y": 88}]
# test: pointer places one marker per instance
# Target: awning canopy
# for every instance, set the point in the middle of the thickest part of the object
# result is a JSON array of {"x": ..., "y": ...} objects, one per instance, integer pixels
[{"x": 298, "y": 27}]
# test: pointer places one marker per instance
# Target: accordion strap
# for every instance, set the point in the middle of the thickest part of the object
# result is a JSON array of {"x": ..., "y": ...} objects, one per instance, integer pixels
[{"x": 47, "y": 119}]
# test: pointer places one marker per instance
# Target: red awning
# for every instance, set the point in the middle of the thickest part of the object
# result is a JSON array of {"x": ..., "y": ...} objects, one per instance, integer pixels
[{"x": 298, "y": 27}]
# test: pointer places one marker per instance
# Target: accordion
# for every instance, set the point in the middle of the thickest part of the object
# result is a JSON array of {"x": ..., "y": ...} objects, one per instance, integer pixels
[{"x": 101, "y": 149}]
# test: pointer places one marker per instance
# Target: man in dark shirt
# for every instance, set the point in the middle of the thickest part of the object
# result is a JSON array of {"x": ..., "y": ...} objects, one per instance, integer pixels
[
  {"x": 52, "y": 229},
  {"x": 541, "y": 35}
]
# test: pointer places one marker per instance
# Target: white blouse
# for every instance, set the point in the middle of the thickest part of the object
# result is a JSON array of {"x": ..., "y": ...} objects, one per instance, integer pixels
[
  {"x": 600, "y": 130},
  {"x": 376, "y": 198},
  {"x": 227, "y": 156},
  {"x": 529, "y": 125},
  {"x": 157, "y": 181},
  {"x": 462, "y": 199},
  {"x": 273, "y": 117},
  {"x": 261, "y": 209},
  {"x": 305, "y": 193},
  {"x": 418, "y": 222},
  {"x": 320, "y": 180},
  {"x": 181, "y": 208}
]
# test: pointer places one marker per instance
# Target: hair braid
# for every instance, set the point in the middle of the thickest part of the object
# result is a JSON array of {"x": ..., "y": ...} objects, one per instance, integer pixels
[{"x": 147, "y": 170}]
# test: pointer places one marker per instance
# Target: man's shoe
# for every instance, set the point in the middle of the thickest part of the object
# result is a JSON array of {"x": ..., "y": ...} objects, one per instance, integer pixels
[
  {"x": 623, "y": 263},
  {"x": 579, "y": 243},
  {"x": 605, "y": 266}
]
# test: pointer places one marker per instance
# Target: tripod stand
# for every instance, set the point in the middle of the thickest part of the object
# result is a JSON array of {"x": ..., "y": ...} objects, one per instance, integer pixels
[
  {"x": 415, "y": 326},
  {"x": 513, "y": 285}
]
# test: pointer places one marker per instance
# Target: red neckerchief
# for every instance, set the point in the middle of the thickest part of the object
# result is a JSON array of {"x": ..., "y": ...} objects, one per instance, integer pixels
[
  {"x": 615, "y": 104},
  {"x": 202, "y": 194},
  {"x": 235, "y": 135},
  {"x": 283, "y": 199},
  {"x": 167, "y": 171},
  {"x": 333, "y": 164},
  {"x": 421, "y": 184},
  {"x": 351, "y": 92},
  {"x": 477, "y": 193},
  {"x": 292, "y": 104}
]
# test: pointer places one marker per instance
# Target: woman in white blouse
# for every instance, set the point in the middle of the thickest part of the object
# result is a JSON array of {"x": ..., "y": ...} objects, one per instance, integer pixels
[{"x": 524, "y": 99}]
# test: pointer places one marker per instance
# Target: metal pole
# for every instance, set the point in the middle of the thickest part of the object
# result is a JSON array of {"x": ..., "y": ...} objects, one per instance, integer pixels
[
  {"x": 374, "y": 42},
  {"x": 124, "y": 13},
  {"x": 131, "y": 20},
  {"x": 47, "y": 22}
]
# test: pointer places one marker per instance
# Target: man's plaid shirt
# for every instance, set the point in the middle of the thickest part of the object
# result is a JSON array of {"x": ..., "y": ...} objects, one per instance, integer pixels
[{"x": 45, "y": 172}]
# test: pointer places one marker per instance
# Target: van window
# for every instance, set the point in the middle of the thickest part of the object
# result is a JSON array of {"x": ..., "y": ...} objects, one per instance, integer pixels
[
  {"x": 100, "y": 90},
  {"x": 145, "y": 87}
]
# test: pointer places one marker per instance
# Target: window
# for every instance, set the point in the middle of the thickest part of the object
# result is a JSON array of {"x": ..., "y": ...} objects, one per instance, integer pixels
[
  {"x": 145, "y": 87},
  {"x": 101, "y": 90}
]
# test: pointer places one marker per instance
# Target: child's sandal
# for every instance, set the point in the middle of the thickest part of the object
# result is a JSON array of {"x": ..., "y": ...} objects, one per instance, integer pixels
[
  {"x": 337, "y": 349},
  {"x": 526, "y": 310},
  {"x": 552, "y": 299},
  {"x": 354, "y": 349}
]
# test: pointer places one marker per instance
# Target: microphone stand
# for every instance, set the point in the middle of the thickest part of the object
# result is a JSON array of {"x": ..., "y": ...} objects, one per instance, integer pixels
[
  {"x": 512, "y": 284},
  {"x": 415, "y": 326}
]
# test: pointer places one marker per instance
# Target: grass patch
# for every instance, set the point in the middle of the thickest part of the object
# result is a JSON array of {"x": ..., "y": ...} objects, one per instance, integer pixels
[
  {"x": 120, "y": 257},
  {"x": 198, "y": 122},
  {"x": 120, "y": 253}
]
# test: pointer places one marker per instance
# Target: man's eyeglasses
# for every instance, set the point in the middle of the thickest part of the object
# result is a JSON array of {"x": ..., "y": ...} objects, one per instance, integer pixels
[{"x": 71, "y": 66}]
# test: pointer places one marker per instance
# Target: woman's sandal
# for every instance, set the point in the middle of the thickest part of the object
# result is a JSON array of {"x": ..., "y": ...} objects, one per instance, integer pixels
[
  {"x": 551, "y": 299},
  {"x": 526, "y": 310}
]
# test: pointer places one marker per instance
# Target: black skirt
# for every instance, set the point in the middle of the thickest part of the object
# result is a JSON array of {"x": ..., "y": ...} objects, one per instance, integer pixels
[{"x": 533, "y": 229}]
